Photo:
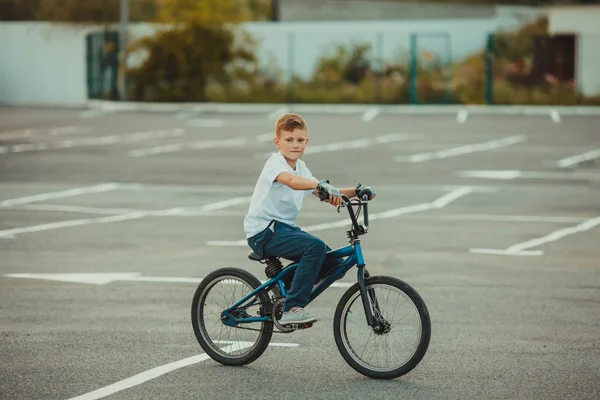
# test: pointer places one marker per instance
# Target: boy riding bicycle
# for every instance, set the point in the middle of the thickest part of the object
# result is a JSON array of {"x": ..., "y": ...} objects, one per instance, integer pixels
[{"x": 270, "y": 224}]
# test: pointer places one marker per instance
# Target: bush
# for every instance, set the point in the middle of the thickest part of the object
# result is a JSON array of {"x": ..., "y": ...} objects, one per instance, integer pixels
[{"x": 182, "y": 62}]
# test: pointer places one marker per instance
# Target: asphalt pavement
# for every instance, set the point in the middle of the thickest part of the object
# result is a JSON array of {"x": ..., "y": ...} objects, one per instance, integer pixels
[{"x": 109, "y": 220}]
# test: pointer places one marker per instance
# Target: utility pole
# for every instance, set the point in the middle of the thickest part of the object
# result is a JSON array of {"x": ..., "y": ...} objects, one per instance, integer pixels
[
  {"x": 275, "y": 10},
  {"x": 123, "y": 46}
]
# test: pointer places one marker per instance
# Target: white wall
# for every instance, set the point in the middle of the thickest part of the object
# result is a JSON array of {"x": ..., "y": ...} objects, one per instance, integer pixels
[
  {"x": 42, "y": 63},
  {"x": 46, "y": 63},
  {"x": 585, "y": 22}
]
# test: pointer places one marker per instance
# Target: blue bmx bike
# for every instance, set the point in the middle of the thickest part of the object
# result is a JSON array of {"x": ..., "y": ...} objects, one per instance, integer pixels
[{"x": 381, "y": 325}]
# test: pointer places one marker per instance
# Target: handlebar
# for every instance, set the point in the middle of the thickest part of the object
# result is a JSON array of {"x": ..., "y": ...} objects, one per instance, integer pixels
[{"x": 362, "y": 203}]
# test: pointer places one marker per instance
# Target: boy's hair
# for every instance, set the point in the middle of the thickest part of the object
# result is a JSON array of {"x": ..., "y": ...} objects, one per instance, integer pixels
[{"x": 289, "y": 122}]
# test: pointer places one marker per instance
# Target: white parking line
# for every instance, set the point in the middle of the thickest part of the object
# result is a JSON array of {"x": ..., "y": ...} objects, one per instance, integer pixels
[
  {"x": 461, "y": 116},
  {"x": 164, "y": 369},
  {"x": 441, "y": 202},
  {"x": 277, "y": 113},
  {"x": 96, "y": 141},
  {"x": 134, "y": 214},
  {"x": 206, "y": 123},
  {"x": 520, "y": 249},
  {"x": 26, "y": 133},
  {"x": 555, "y": 116},
  {"x": 265, "y": 137},
  {"x": 351, "y": 144},
  {"x": 226, "y": 203},
  {"x": 462, "y": 150},
  {"x": 59, "y": 195},
  {"x": 175, "y": 147},
  {"x": 370, "y": 114},
  {"x": 579, "y": 158}
]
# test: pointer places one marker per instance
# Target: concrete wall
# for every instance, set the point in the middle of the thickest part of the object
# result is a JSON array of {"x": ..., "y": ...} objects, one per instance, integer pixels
[
  {"x": 585, "y": 22},
  {"x": 46, "y": 63},
  {"x": 42, "y": 63}
]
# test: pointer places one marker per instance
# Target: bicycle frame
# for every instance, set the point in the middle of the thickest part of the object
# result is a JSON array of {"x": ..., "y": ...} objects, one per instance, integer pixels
[{"x": 355, "y": 258}]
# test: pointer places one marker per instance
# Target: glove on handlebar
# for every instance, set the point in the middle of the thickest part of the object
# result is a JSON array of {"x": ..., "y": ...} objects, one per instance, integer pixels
[
  {"x": 325, "y": 190},
  {"x": 360, "y": 191}
]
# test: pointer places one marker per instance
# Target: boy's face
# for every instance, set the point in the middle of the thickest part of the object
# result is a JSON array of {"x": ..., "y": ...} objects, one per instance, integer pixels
[{"x": 292, "y": 144}]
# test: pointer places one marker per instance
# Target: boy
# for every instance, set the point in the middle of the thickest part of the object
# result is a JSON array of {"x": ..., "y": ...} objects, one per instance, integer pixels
[{"x": 270, "y": 223}]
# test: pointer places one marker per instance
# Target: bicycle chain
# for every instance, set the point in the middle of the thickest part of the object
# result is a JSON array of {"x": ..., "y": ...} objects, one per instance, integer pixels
[{"x": 274, "y": 300}]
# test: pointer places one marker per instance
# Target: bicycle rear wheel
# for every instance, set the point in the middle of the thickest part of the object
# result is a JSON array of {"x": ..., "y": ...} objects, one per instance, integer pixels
[
  {"x": 399, "y": 341},
  {"x": 230, "y": 345}
]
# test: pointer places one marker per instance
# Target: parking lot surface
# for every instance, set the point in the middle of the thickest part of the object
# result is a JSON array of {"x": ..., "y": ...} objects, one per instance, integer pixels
[{"x": 108, "y": 221}]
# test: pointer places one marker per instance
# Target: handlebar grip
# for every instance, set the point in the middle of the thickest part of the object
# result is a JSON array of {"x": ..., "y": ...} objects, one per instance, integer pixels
[{"x": 366, "y": 210}]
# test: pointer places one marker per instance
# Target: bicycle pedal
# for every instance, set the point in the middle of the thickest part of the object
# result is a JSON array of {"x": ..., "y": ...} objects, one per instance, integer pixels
[{"x": 302, "y": 326}]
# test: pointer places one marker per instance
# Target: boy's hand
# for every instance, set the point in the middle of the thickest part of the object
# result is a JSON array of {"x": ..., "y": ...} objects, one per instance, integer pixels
[
  {"x": 329, "y": 193},
  {"x": 360, "y": 191}
]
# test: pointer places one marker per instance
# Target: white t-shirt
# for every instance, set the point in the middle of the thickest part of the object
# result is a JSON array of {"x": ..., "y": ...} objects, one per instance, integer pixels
[{"x": 273, "y": 200}]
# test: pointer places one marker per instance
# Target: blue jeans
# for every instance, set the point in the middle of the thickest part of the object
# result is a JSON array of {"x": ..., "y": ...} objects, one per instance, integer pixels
[{"x": 292, "y": 243}]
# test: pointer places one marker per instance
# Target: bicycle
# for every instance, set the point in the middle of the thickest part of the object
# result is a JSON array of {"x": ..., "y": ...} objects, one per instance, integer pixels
[{"x": 261, "y": 304}]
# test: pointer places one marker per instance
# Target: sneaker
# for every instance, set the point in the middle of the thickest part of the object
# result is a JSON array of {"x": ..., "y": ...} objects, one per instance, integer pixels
[{"x": 296, "y": 315}]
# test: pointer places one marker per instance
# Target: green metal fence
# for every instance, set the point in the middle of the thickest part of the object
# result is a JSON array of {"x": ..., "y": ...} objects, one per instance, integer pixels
[{"x": 507, "y": 69}]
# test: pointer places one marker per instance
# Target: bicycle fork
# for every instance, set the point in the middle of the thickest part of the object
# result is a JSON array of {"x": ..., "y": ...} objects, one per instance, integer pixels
[{"x": 368, "y": 298}]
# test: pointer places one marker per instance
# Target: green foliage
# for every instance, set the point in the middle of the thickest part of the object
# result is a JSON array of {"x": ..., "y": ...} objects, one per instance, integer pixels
[
  {"x": 515, "y": 46},
  {"x": 344, "y": 64},
  {"x": 92, "y": 11},
  {"x": 181, "y": 62}
]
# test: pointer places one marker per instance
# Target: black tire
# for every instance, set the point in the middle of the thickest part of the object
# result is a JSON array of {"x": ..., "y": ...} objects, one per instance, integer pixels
[
  {"x": 339, "y": 330},
  {"x": 211, "y": 348}
]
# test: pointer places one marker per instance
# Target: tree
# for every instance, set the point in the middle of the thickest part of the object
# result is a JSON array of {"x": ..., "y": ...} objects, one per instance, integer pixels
[
  {"x": 200, "y": 47},
  {"x": 94, "y": 11},
  {"x": 181, "y": 63}
]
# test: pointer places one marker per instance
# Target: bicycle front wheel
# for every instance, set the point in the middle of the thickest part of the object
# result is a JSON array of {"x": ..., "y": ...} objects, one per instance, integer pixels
[
  {"x": 400, "y": 339},
  {"x": 230, "y": 345}
]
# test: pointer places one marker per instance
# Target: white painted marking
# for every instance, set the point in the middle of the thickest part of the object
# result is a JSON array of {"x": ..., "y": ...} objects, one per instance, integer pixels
[
  {"x": 515, "y": 174},
  {"x": 20, "y": 134},
  {"x": 150, "y": 151},
  {"x": 151, "y": 374},
  {"x": 556, "y": 235},
  {"x": 132, "y": 214},
  {"x": 462, "y": 150},
  {"x": 576, "y": 159},
  {"x": 461, "y": 116},
  {"x": 226, "y": 203},
  {"x": 76, "y": 209},
  {"x": 370, "y": 114},
  {"x": 436, "y": 204},
  {"x": 98, "y": 141},
  {"x": 26, "y": 133},
  {"x": 265, "y": 137},
  {"x": 520, "y": 248},
  {"x": 78, "y": 222},
  {"x": 450, "y": 197},
  {"x": 270, "y": 344},
  {"x": 555, "y": 116},
  {"x": 277, "y": 113},
  {"x": 206, "y": 123},
  {"x": 185, "y": 114},
  {"x": 65, "y": 130},
  {"x": 110, "y": 277},
  {"x": 164, "y": 369},
  {"x": 352, "y": 144},
  {"x": 506, "y": 252},
  {"x": 45, "y": 227},
  {"x": 91, "y": 113},
  {"x": 58, "y": 195},
  {"x": 513, "y": 218},
  {"x": 219, "y": 143},
  {"x": 501, "y": 174},
  {"x": 171, "y": 148}
]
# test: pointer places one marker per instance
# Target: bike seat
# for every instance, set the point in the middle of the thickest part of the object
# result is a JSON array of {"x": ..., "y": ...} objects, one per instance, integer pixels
[{"x": 254, "y": 256}]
